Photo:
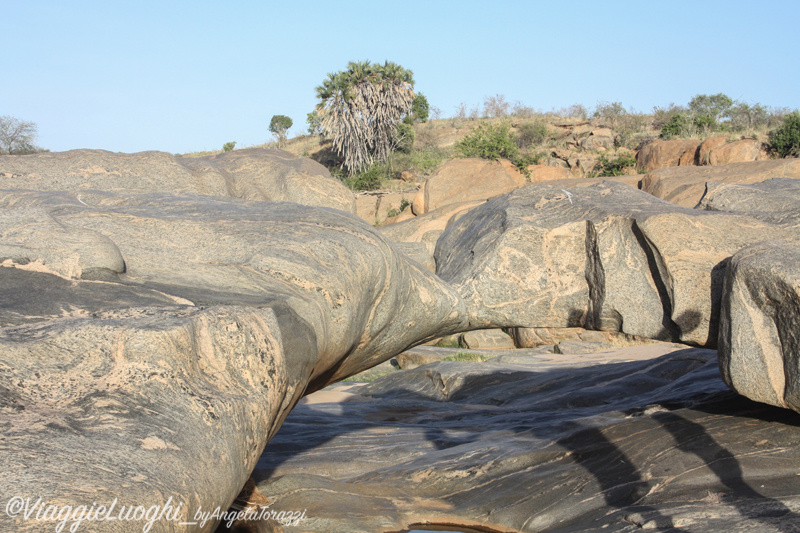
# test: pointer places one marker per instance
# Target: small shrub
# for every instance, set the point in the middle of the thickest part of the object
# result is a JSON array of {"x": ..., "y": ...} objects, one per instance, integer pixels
[
  {"x": 677, "y": 126},
  {"x": 532, "y": 134},
  {"x": 392, "y": 213},
  {"x": 615, "y": 167},
  {"x": 227, "y": 147},
  {"x": 785, "y": 140},
  {"x": 404, "y": 137},
  {"x": 489, "y": 141},
  {"x": 368, "y": 180},
  {"x": 403, "y": 204}
]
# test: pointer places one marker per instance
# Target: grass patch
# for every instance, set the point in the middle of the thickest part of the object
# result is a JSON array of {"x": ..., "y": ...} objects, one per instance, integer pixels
[{"x": 467, "y": 356}]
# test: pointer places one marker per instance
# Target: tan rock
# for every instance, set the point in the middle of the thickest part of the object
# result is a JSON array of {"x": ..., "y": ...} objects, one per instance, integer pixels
[
  {"x": 464, "y": 180},
  {"x": 704, "y": 151},
  {"x": 407, "y": 176},
  {"x": 547, "y": 173},
  {"x": 685, "y": 185},
  {"x": 662, "y": 154},
  {"x": 736, "y": 152},
  {"x": 495, "y": 339}
]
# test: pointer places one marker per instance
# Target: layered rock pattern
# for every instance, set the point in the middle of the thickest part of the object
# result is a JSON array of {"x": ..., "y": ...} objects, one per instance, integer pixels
[
  {"x": 628, "y": 440},
  {"x": 604, "y": 257},
  {"x": 251, "y": 174},
  {"x": 152, "y": 344}
]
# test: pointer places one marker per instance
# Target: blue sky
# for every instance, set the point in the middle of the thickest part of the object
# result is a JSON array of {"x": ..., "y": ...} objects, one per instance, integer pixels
[{"x": 186, "y": 76}]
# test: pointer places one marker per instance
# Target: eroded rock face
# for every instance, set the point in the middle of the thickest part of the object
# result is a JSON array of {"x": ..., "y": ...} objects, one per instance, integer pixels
[
  {"x": 637, "y": 438},
  {"x": 604, "y": 257},
  {"x": 152, "y": 344},
  {"x": 759, "y": 339},
  {"x": 251, "y": 174}
]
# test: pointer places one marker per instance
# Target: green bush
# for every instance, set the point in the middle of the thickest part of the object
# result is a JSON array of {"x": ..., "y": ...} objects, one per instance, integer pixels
[
  {"x": 368, "y": 180},
  {"x": 678, "y": 125},
  {"x": 785, "y": 140},
  {"x": 404, "y": 137},
  {"x": 532, "y": 134},
  {"x": 615, "y": 167},
  {"x": 227, "y": 147},
  {"x": 489, "y": 141}
]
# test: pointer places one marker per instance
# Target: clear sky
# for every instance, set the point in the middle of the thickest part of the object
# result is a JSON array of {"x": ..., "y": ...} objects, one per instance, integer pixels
[{"x": 182, "y": 76}]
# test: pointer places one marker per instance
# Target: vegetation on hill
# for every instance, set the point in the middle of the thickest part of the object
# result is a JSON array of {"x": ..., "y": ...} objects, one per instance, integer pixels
[
  {"x": 603, "y": 141},
  {"x": 18, "y": 137}
]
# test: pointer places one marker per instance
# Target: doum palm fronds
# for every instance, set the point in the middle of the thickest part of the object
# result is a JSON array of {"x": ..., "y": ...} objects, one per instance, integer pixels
[{"x": 360, "y": 108}]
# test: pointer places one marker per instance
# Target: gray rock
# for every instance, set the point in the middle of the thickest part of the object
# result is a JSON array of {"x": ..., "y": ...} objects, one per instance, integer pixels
[
  {"x": 151, "y": 345},
  {"x": 631, "y": 441},
  {"x": 760, "y": 325},
  {"x": 605, "y": 257},
  {"x": 251, "y": 174},
  {"x": 776, "y": 200}
]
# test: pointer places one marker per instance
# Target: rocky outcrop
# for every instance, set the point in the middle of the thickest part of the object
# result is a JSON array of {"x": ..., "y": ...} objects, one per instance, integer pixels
[
  {"x": 466, "y": 180},
  {"x": 153, "y": 344},
  {"x": 637, "y": 438},
  {"x": 759, "y": 341},
  {"x": 672, "y": 153},
  {"x": 605, "y": 257},
  {"x": 776, "y": 200},
  {"x": 737, "y": 152},
  {"x": 685, "y": 186},
  {"x": 251, "y": 174}
]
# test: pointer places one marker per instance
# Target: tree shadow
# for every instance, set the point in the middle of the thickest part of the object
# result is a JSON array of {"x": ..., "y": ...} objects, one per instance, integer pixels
[{"x": 562, "y": 406}]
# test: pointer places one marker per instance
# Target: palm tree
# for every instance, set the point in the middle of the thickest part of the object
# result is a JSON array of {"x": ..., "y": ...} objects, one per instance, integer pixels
[{"x": 360, "y": 108}]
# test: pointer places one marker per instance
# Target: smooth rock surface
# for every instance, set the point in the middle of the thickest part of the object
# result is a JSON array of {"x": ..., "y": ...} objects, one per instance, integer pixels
[
  {"x": 776, "y": 200},
  {"x": 662, "y": 154},
  {"x": 621, "y": 441},
  {"x": 250, "y": 173},
  {"x": 759, "y": 339},
  {"x": 466, "y": 180},
  {"x": 605, "y": 257},
  {"x": 152, "y": 344}
]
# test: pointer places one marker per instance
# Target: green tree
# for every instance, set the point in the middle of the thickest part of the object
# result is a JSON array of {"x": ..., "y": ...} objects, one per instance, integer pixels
[
  {"x": 314, "y": 123},
  {"x": 17, "y": 136},
  {"x": 707, "y": 110},
  {"x": 279, "y": 125},
  {"x": 420, "y": 108},
  {"x": 227, "y": 147},
  {"x": 785, "y": 140},
  {"x": 360, "y": 108}
]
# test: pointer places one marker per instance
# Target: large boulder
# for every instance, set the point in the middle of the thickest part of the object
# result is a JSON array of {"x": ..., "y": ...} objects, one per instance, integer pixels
[
  {"x": 152, "y": 344},
  {"x": 466, "y": 180},
  {"x": 606, "y": 257},
  {"x": 672, "y": 153},
  {"x": 737, "y": 152},
  {"x": 251, "y": 174},
  {"x": 709, "y": 144},
  {"x": 759, "y": 340},
  {"x": 776, "y": 200},
  {"x": 685, "y": 185}
]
